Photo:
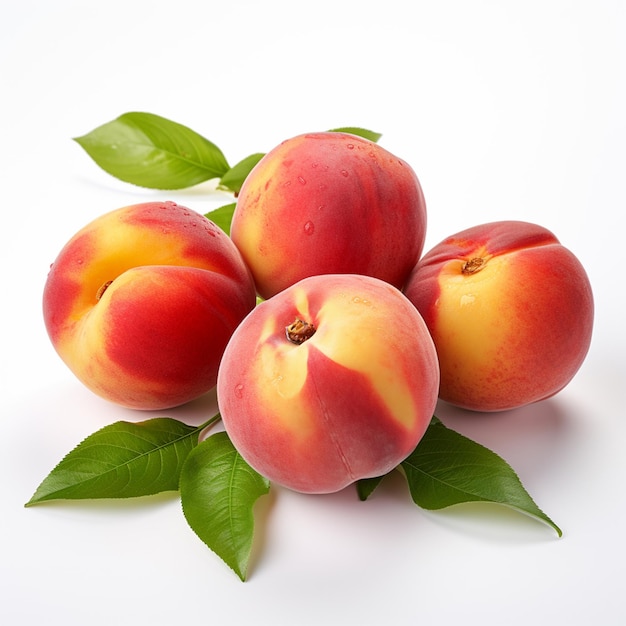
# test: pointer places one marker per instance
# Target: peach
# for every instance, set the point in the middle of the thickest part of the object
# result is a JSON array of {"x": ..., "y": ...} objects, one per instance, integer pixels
[
  {"x": 332, "y": 380},
  {"x": 329, "y": 203},
  {"x": 141, "y": 302},
  {"x": 510, "y": 310}
]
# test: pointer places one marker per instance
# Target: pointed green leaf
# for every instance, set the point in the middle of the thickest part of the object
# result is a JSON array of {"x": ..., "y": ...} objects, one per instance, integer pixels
[
  {"x": 222, "y": 216},
  {"x": 151, "y": 151},
  {"x": 234, "y": 177},
  {"x": 447, "y": 468},
  {"x": 365, "y": 487},
  {"x": 122, "y": 460},
  {"x": 361, "y": 132},
  {"x": 218, "y": 490}
]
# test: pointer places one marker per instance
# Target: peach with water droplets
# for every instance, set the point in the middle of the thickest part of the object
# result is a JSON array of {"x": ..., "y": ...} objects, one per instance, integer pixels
[
  {"x": 332, "y": 380},
  {"x": 141, "y": 302},
  {"x": 328, "y": 203},
  {"x": 510, "y": 310}
]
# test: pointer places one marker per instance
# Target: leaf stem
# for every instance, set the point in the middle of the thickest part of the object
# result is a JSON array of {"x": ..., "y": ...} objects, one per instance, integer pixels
[{"x": 210, "y": 422}]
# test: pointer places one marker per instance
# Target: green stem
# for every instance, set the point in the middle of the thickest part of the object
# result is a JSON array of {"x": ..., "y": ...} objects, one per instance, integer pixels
[{"x": 210, "y": 422}]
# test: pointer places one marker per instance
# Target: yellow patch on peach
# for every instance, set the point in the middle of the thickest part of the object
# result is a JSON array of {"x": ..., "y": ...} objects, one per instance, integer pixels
[
  {"x": 345, "y": 344},
  {"x": 485, "y": 325},
  {"x": 283, "y": 368},
  {"x": 87, "y": 346},
  {"x": 284, "y": 371},
  {"x": 113, "y": 251}
]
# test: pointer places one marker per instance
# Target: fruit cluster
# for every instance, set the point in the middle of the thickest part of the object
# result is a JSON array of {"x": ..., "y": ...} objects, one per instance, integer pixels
[{"x": 335, "y": 375}]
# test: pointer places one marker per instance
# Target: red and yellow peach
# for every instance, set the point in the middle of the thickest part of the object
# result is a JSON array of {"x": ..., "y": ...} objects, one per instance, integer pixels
[
  {"x": 332, "y": 380},
  {"x": 329, "y": 203},
  {"x": 141, "y": 302},
  {"x": 510, "y": 310}
]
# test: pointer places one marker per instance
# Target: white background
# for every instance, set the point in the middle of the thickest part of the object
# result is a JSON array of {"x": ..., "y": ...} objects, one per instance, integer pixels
[{"x": 505, "y": 110}]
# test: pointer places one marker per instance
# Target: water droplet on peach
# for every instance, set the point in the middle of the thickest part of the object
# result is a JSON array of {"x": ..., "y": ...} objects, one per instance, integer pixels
[{"x": 309, "y": 228}]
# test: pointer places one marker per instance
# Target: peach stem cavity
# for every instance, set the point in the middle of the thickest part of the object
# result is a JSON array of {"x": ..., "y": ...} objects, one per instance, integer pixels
[{"x": 299, "y": 331}]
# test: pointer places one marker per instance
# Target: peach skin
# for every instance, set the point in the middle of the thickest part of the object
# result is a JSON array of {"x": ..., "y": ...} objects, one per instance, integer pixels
[
  {"x": 329, "y": 203},
  {"x": 141, "y": 302},
  {"x": 332, "y": 380},
  {"x": 511, "y": 313}
]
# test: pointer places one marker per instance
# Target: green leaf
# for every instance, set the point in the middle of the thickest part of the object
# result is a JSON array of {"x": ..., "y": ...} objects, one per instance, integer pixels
[
  {"x": 361, "y": 132},
  {"x": 365, "y": 487},
  {"x": 447, "y": 468},
  {"x": 151, "y": 151},
  {"x": 234, "y": 177},
  {"x": 122, "y": 460},
  {"x": 218, "y": 490},
  {"x": 222, "y": 216}
]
